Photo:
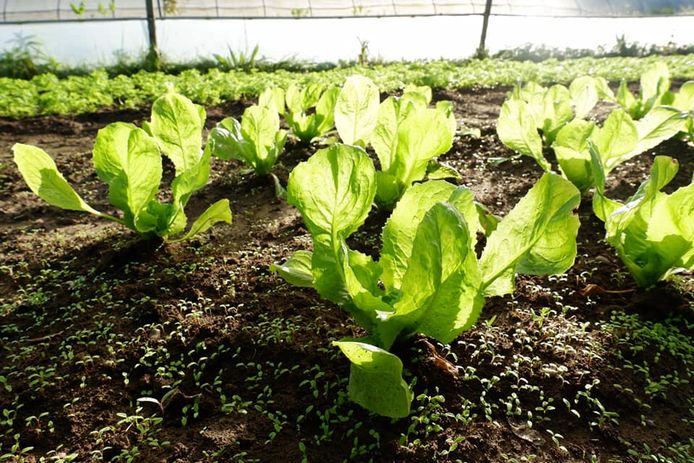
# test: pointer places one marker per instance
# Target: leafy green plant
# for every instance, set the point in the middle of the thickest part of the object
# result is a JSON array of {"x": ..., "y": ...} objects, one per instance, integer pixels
[
  {"x": 532, "y": 116},
  {"x": 26, "y": 58},
  {"x": 655, "y": 91},
  {"x": 257, "y": 140},
  {"x": 428, "y": 279},
  {"x": 129, "y": 160},
  {"x": 618, "y": 140},
  {"x": 309, "y": 109},
  {"x": 408, "y": 136},
  {"x": 653, "y": 232}
]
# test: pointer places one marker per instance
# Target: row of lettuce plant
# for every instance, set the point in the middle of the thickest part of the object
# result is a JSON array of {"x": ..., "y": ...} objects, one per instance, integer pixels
[
  {"x": 535, "y": 118},
  {"x": 48, "y": 94},
  {"x": 405, "y": 132}
]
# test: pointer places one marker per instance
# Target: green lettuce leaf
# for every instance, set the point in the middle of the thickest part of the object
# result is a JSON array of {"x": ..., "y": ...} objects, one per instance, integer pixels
[
  {"x": 43, "y": 178},
  {"x": 375, "y": 380},
  {"x": 653, "y": 232},
  {"x": 129, "y": 161},
  {"x": 356, "y": 110},
  {"x": 296, "y": 270},
  {"x": 440, "y": 291},
  {"x": 177, "y": 125},
  {"x": 537, "y": 237},
  {"x": 516, "y": 129}
]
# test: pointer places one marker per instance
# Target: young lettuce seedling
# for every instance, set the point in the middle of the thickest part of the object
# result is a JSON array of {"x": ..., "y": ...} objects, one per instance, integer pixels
[
  {"x": 129, "y": 160},
  {"x": 309, "y": 110},
  {"x": 257, "y": 140},
  {"x": 405, "y": 133},
  {"x": 428, "y": 279},
  {"x": 655, "y": 91},
  {"x": 653, "y": 232},
  {"x": 533, "y": 115}
]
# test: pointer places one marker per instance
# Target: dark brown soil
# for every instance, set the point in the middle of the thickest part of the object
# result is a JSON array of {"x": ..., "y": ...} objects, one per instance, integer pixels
[{"x": 233, "y": 364}]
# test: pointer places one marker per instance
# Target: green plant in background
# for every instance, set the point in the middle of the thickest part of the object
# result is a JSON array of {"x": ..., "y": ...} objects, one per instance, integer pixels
[
  {"x": 655, "y": 91},
  {"x": 309, "y": 110},
  {"x": 25, "y": 58},
  {"x": 428, "y": 279},
  {"x": 244, "y": 61},
  {"x": 257, "y": 140},
  {"x": 129, "y": 160},
  {"x": 653, "y": 232},
  {"x": 618, "y": 140},
  {"x": 406, "y": 134}
]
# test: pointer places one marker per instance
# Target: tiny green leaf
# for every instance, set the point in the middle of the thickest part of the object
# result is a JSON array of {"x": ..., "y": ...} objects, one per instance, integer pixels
[{"x": 296, "y": 270}]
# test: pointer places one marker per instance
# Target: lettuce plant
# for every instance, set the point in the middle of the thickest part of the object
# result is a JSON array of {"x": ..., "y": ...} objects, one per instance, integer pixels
[
  {"x": 257, "y": 140},
  {"x": 309, "y": 110},
  {"x": 428, "y": 280},
  {"x": 532, "y": 116},
  {"x": 653, "y": 232},
  {"x": 655, "y": 91},
  {"x": 128, "y": 159},
  {"x": 618, "y": 140},
  {"x": 406, "y": 134}
]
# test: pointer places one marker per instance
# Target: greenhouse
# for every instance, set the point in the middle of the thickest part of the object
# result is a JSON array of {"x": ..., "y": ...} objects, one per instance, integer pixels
[{"x": 334, "y": 231}]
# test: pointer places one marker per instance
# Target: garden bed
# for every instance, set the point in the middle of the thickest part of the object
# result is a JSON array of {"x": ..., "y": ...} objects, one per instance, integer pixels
[{"x": 119, "y": 349}]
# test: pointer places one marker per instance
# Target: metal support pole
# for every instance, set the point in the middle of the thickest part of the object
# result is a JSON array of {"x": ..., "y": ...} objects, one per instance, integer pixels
[
  {"x": 153, "y": 55},
  {"x": 482, "y": 50}
]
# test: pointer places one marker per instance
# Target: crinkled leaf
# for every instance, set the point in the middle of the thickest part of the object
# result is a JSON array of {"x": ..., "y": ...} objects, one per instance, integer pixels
[
  {"x": 584, "y": 95},
  {"x": 421, "y": 136},
  {"x": 260, "y": 127},
  {"x": 440, "y": 171},
  {"x": 556, "y": 111},
  {"x": 182, "y": 187},
  {"x": 128, "y": 160},
  {"x": 684, "y": 99},
  {"x": 626, "y": 99},
  {"x": 333, "y": 190},
  {"x": 658, "y": 125},
  {"x": 42, "y": 176},
  {"x": 655, "y": 82},
  {"x": 516, "y": 129},
  {"x": 375, "y": 380},
  {"x": 602, "y": 206},
  {"x": 272, "y": 97},
  {"x": 653, "y": 232},
  {"x": 616, "y": 140},
  {"x": 356, "y": 110},
  {"x": 325, "y": 111},
  {"x": 296, "y": 270},
  {"x": 537, "y": 237}
]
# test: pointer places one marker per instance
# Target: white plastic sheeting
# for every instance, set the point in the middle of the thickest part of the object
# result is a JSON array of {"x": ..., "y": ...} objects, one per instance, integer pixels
[{"x": 14, "y": 11}]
